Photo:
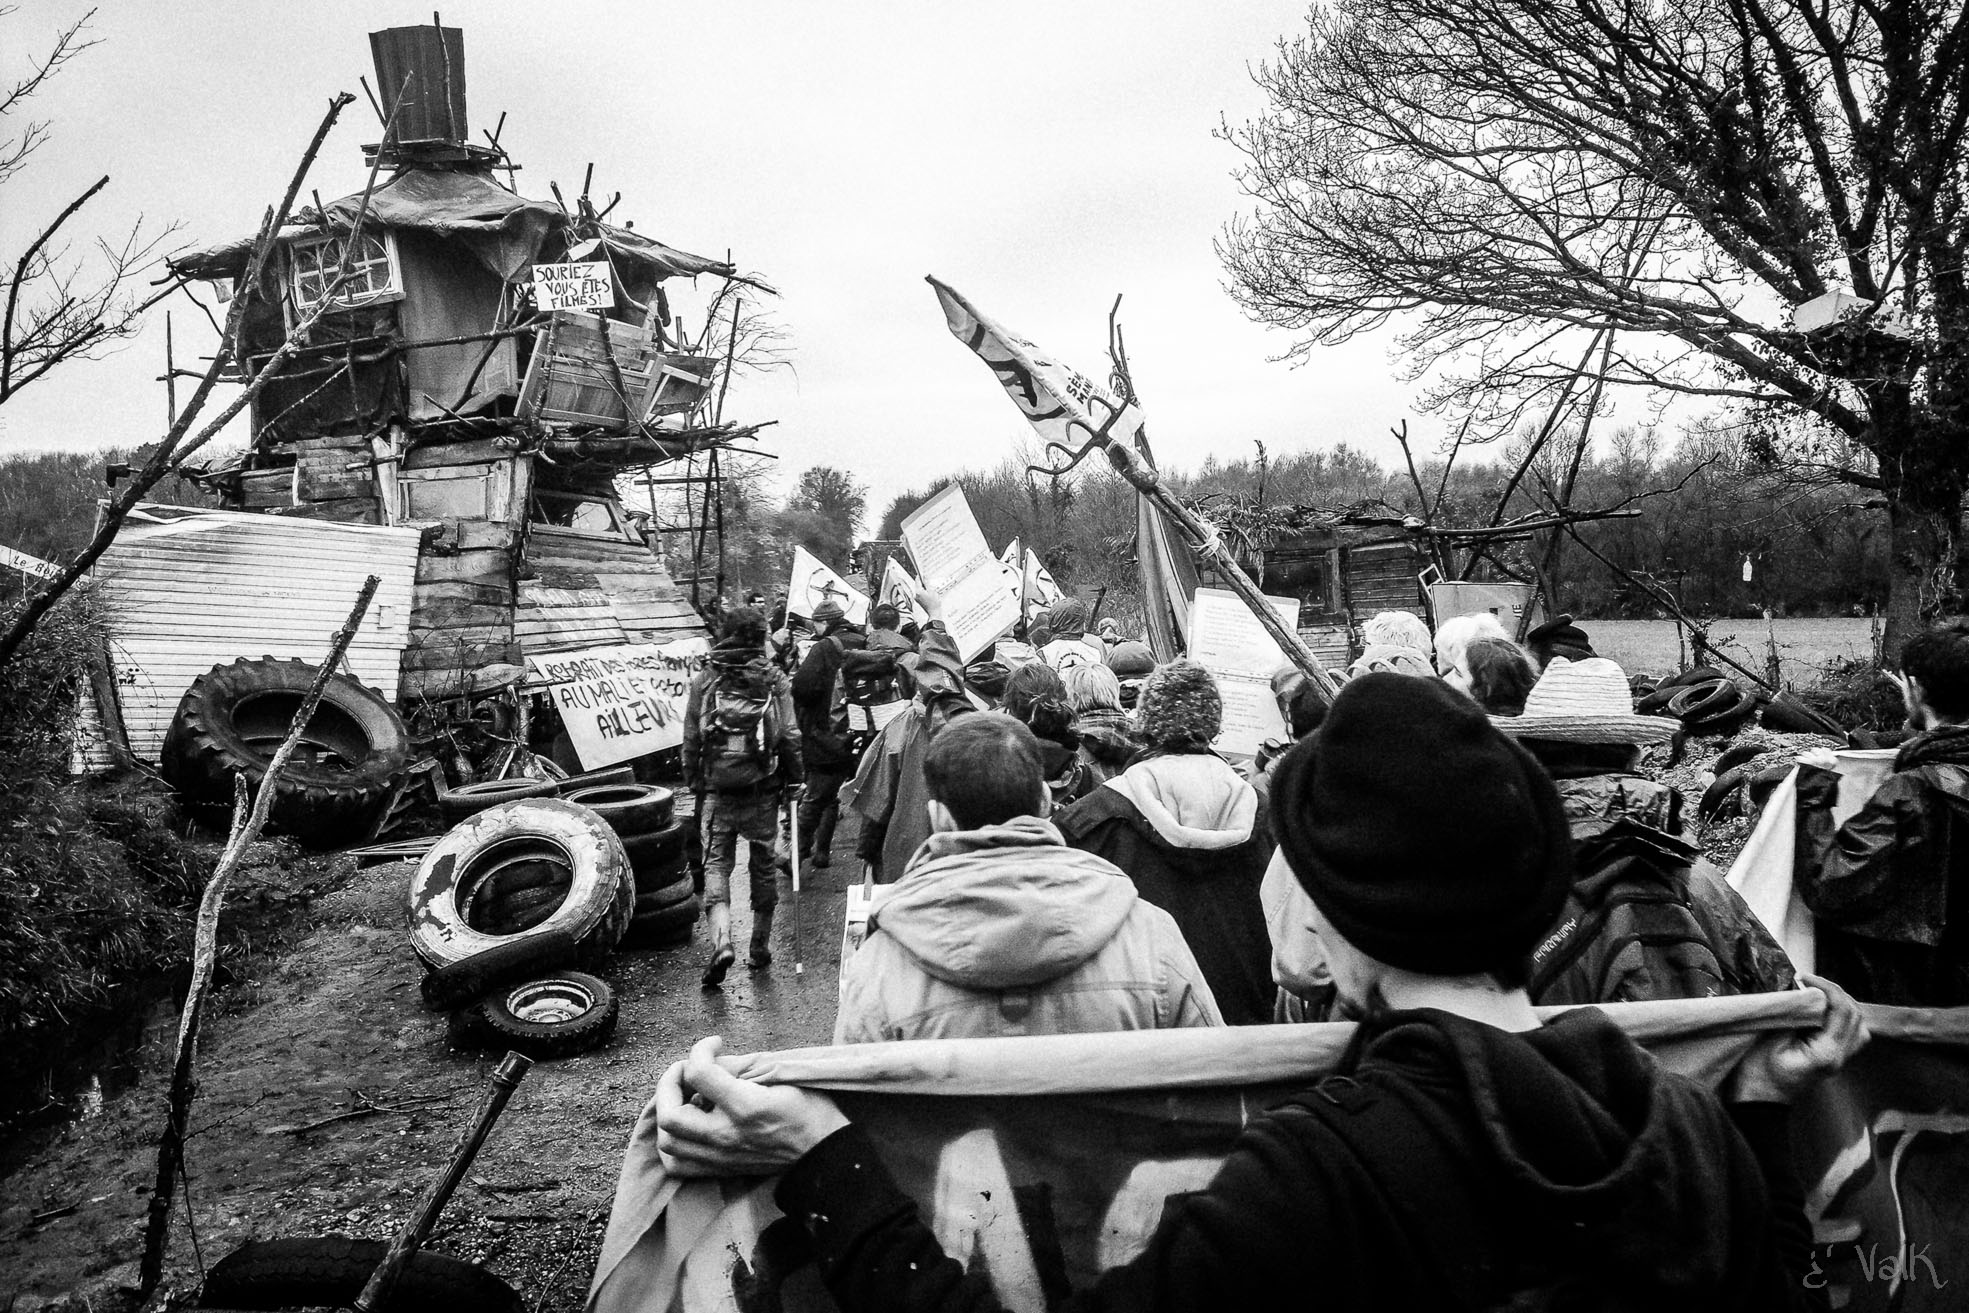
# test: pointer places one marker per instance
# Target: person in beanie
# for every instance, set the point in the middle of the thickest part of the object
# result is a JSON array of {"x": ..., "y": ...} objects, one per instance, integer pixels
[
  {"x": 1131, "y": 663},
  {"x": 999, "y": 928},
  {"x": 741, "y": 751},
  {"x": 1186, "y": 827},
  {"x": 889, "y": 794},
  {"x": 1067, "y": 643},
  {"x": 1467, "y": 1154},
  {"x": 826, "y": 743}
]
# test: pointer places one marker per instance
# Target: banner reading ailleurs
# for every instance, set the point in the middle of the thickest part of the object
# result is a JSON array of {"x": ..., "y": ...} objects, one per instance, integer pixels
[{"x": 1046, "y": 1160}]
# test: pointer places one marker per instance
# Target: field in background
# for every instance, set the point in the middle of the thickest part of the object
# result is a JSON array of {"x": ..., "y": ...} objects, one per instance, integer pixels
[{"x": 1804, "y": 646}]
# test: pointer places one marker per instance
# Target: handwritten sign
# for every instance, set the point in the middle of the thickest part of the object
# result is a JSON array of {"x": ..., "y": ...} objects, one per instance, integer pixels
[
  {"x": 34, "y": 565},
  {"x": 1227, "y": 640},
  {"x": 948, "y": 547},
  {"x": 574, "y": 286},
  {"x": 620, "y": 702}
]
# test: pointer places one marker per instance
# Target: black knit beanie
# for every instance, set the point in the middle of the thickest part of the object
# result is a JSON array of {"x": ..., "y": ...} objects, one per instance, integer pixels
[{"x": 1429, "y": 839}]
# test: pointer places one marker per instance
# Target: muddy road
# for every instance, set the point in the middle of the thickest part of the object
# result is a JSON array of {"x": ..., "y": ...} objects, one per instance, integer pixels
[{"x": 333, "y": 1026}]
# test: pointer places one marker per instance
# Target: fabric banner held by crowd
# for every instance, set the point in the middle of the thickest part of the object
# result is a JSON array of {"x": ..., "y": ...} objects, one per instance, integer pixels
[{"x": 1134, "y": 1117}]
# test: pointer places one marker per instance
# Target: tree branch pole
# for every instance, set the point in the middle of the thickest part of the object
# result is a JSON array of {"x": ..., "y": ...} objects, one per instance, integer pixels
[
  {"x": 1210, "y": 548},
  {"x": 173, "y": 448},
  {"x": 246, "y": 826}
]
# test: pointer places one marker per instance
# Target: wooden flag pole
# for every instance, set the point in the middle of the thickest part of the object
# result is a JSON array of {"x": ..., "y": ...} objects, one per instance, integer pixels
[{"x": 1210, "y": 549}]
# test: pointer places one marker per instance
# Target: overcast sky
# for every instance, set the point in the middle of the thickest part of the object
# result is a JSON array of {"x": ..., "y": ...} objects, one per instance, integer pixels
[{"x": 1040, "y": 157}]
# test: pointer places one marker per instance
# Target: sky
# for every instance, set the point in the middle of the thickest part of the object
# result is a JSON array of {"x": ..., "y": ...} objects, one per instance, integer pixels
[{"x": 1040, "y": 157}]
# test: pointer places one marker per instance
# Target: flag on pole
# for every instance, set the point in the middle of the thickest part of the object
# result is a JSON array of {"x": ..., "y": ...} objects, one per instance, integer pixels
[
  {"x": 899, "y": 589},
  {"x": 812, "y": 583},
  {"x": 1040, "y": 590},
  {"x": 1066, "y": 407}
]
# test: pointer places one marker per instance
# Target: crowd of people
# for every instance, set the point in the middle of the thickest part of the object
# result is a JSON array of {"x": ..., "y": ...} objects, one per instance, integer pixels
[{"x": 1464, "y": 833}]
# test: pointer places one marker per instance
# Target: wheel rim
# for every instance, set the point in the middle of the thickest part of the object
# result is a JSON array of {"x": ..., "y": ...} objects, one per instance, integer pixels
[{"x": 550, "y": 1002}]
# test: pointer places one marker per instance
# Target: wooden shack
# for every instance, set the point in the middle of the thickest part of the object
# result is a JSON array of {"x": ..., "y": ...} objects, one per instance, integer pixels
[{"x": 437, "y": 391}]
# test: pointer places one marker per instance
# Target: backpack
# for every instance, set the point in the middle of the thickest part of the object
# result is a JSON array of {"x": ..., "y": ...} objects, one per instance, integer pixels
[
  {"x": 1629, "y": 931},
  {"x": 868, "y": 678},
  {"x": 740, "y": 730}
]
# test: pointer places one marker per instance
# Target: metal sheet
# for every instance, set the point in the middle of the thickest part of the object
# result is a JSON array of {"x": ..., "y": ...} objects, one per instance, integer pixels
[{"x": 185, "y": 590}]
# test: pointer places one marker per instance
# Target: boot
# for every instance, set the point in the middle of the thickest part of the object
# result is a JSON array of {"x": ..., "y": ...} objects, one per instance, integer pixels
[
  {"x": 722, "y": 955},
  {"x": 824, "y": 839},
  {"x": 762, "y": 934}
]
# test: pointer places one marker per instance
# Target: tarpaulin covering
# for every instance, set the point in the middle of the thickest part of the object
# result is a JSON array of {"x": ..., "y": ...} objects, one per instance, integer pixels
[
  {"x": 504, "y": 230},
  {"x": 1049, "y": 1158}
]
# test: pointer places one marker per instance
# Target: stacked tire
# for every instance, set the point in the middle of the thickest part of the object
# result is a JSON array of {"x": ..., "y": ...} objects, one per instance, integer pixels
[
  {"x": 504, "y": 905},
  {"x": 656, "y": 839},
  {"x": 1704, "y": 699}
]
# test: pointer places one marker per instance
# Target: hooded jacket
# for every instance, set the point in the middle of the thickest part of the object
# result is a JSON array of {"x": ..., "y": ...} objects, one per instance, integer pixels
[
  {"x": 1187, "y": 830},
  {"x": 1007, "y": 931},
  {"x": 1454, "y": 1166},
  {"x": 1890, "y": 887}
]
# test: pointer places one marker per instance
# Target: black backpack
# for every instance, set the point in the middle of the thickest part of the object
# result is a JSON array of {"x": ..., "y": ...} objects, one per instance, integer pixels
[{"x": 1629, "y": 931}]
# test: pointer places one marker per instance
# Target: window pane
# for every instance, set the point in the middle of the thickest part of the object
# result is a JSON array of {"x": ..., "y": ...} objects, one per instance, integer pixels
[{"x": 435, "y": 499}]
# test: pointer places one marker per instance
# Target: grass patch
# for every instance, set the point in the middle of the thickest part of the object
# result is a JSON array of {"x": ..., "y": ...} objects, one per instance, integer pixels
[{"x": 96, "y": 886}]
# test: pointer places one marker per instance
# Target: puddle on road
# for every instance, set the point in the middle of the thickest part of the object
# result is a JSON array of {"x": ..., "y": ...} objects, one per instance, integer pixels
[{"x": 97, "y": 1062}]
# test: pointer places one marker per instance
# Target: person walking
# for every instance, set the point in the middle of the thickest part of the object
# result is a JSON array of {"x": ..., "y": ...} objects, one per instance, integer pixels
[
  {"x": 827, "y": 741},
  {"x": 999, "y": 928},
  {"x": 1185, "y": 827},
  {"x": 888, "y": 794},
  {"x": 1890, "y": 886},
  {"x": 741, "y": 752},
  {"x": 1466, "y": 1154}
]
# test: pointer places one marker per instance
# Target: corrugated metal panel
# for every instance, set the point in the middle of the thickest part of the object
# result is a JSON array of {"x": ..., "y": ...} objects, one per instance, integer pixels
[{"x": 183, "y": 591}]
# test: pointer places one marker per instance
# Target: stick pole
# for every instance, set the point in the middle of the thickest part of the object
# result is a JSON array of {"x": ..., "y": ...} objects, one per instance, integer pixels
[
  {"x": 1210, "y": 549},
  {"x": 246, "y": 826}
]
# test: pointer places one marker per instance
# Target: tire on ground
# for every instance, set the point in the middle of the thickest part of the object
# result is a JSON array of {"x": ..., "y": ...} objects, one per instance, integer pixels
[
  {"x": 484, "y": 848},
  {"x": 332, "y": 1270},
  {"x": 454, "y": 805},
  {"x": 231, "y": 720},
  {"x": 665, "y": 925},
  {"x": 472, "y": 979},
  {"x": 552, "y": 1016},
  {"x": 668, "y": 895},
  {"x": 630, "y": 809},
  {"x": 1721, "y": 798}
]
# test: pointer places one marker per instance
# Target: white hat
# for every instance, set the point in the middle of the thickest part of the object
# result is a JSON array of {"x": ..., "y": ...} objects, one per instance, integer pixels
[{"x": 1584, "y": 702}]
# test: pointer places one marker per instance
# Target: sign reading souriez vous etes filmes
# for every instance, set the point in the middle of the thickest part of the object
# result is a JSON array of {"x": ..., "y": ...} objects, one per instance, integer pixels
[
  {"x": 620, "y": 702},
  {"x": 574, "y": 286}
]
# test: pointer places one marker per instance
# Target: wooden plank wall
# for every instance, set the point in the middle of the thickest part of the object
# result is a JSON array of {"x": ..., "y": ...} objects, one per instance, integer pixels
[
  {"x": 646, "y": 601},
  {"x": 462, "y": 616},
  {"x": 1381, "y": 577},
  {"x": 335, "y": 479}
]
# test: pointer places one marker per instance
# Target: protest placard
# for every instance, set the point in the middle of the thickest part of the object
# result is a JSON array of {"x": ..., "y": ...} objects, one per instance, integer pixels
[
  {"x": 574, "y": 286},
  {"x": 813, "y": 583},
  {"x": 1228, "y": 641},
  {"x": 623, "y": 701},
  {"x": 948, "y": 547}
]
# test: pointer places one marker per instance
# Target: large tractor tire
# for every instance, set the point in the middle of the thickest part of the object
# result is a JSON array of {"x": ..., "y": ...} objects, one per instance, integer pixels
[
  {"x": 465, "y": 882},
  {"x": 351, "y": 754}
]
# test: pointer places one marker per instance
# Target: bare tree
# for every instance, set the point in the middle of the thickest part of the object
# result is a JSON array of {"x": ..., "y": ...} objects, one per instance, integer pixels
[
  {"x": 61, "y": 304},
  {"x": 180, "y": 442},
  {"x": 1508, "y": 180}
]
